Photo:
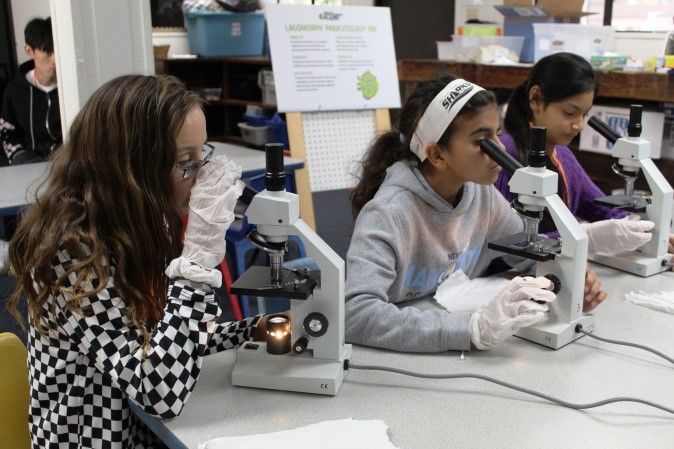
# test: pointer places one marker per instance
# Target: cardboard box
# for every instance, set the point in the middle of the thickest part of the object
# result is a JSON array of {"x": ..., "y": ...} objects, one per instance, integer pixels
[
  {"x": 520, "y": 15},
  {"x": 652, "y": 125}
]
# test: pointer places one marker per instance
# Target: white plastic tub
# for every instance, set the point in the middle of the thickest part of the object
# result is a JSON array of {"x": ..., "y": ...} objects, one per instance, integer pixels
[
  {"x": 255, "y": 135},
  {"x": 482, "y": 49},
  {"x": 583, "y": 40}
]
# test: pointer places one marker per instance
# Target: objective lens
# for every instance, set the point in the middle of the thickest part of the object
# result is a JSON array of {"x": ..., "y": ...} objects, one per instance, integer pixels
[{"x": 278, "y": 334}]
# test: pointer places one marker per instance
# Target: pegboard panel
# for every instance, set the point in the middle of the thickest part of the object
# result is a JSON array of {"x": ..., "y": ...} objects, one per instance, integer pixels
[{"x": 335, "y": 143}]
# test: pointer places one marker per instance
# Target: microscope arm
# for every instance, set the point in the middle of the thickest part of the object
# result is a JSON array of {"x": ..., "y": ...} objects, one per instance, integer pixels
[
  {"x": 328, "y": 299},
  {"x": 571, "y": 264},
  {"x": 659, "y": 211}
]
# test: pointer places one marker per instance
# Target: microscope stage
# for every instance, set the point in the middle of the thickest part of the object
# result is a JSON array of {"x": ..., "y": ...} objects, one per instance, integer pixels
[
  {"x": 624, "y": 202},
  {"x": 256, "y": 281},
  {"x": 517, "y": 244}
]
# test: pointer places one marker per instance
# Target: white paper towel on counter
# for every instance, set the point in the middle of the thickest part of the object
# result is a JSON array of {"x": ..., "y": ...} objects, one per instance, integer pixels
[
  {"x": 458, "y": 293},
  {"x": 336, "y": 434},
  {"x": 660, "y": 301}
]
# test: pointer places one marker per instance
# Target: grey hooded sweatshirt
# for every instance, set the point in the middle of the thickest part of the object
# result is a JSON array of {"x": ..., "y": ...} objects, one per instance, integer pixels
[{"x": 406, "y": 241}]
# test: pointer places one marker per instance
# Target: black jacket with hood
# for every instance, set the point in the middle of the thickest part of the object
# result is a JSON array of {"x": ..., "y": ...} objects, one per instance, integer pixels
[{"x": 30, "y": 123}]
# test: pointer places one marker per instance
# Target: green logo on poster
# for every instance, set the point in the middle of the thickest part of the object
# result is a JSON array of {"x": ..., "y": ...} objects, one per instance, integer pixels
[{"x": 368, "y": 85}]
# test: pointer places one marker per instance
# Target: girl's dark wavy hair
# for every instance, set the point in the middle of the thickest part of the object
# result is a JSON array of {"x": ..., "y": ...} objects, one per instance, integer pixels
[
  {"x": 390, "y": 147},
  {"x": 108, "y": 201},
  {"x": 559, "y": 76}
]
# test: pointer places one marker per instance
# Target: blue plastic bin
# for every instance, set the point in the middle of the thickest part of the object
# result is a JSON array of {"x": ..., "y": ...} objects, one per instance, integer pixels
[
  {"x": 256, "y": 121},
  {"x": 279, "y": 130},
  {"x": 225, "y": 33}
]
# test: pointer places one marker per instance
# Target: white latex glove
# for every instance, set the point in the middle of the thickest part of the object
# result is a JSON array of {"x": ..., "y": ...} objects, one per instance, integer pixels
[
  {"x": 612, "y": 236},
  {"x": 513, "y": 308},
  {"x": 211, "y": 206}
]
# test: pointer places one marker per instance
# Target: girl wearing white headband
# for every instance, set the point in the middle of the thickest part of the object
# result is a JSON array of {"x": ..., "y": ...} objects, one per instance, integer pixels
[{"x": 426, "y": 207}]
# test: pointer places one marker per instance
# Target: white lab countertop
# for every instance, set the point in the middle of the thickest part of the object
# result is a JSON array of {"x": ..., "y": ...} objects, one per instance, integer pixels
[
  {"x": 472, "y": 413},
  {"x": 18, "y": 182}
]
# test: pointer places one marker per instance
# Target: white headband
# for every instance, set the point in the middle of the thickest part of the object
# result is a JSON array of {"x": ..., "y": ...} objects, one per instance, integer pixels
[{"x": 439, "y": 114}]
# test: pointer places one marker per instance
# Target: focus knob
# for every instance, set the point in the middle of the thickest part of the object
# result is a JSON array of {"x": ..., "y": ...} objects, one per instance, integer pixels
[
  {"x": 301, "y": 345},
  {"x": 316, "y": 324}
]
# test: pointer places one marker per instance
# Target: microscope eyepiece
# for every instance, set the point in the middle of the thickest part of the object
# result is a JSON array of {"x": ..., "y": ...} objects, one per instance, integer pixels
[
  {"x": 602, "y": 128},
  {"x": 634, "y": 126},
  {"x": 501, "y": 157},
  {"x": 537, "y": 154},
  {"x": 275, "y": 176}
]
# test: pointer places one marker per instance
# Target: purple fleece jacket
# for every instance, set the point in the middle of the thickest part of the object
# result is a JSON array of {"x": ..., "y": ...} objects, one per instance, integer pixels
[{"x": 581, "y": 190}]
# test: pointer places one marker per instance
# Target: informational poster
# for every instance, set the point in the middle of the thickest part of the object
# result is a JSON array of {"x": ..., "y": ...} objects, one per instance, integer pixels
[{"x": 328, "y": 58}]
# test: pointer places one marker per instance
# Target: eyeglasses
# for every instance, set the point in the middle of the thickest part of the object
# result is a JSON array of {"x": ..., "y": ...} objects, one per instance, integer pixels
[{"x": 191, "y": 168}]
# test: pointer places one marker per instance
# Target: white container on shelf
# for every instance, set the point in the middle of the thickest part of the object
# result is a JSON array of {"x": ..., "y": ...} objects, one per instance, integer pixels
[
  {"x": 265, "y": 80},
  {"x": 583, "y": 40},
  {"x": 482, "y": 49},
  {"x": 445, "y": 50},
  {"x": 255, "y": 135}
]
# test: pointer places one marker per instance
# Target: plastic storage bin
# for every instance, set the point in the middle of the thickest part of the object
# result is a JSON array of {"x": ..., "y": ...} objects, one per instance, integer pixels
[
  {"x": 487, "y": 49},
  {"x": 583, "y": 40},
  {"x": 225, "y": 33},
  {"x": 445, "y": 50},
  {"x": 279, "y": 130},
  {"x": 255, "y": 135},
  {"x": 255, "y": 116},
  {"x": 265, "y": 80}
]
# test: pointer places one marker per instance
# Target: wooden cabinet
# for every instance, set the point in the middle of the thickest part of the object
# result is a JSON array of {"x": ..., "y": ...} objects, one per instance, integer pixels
[
  {"x": 228, "y": 83},
  {"x": 614, "y": 87}
]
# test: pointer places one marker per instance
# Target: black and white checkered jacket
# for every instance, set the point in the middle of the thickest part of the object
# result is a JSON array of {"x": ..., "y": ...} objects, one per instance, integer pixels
[{"x": 84, "y": 372}]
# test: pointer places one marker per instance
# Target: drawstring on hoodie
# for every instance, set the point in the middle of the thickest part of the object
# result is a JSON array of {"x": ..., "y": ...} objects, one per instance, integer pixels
[
  {"x": 32, "y": 133},
  {"x": 46, "y": 119}
]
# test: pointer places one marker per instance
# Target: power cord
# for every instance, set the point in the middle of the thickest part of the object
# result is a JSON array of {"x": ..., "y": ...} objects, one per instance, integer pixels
[
  {"x": 348, "y": 365},
  {"x": 579, "y": 329}
]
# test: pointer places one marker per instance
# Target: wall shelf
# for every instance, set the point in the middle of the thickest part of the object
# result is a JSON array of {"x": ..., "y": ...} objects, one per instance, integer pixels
[
  {"x": 236, "y": 76},
  {"x": 645, "y": 86}
]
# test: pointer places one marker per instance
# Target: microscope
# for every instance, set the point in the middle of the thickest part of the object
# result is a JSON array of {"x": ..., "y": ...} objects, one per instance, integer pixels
[
  {"x": 562, "y": 260},
  {"x": 304, "y": 350},
  {"x": 633, "y": 153}
]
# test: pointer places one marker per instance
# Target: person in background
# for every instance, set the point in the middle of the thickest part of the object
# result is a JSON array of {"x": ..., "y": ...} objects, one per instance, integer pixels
[
  {"x": 30, "y": 122},
  {"x": 120, "y": 309},
  {"x": 558, "y": 95},
  {"x": 425, "y": 207}
]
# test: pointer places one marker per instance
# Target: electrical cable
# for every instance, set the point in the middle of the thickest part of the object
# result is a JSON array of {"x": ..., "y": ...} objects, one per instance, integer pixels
[
  {"x": 511, "y": 386},
  {"x": 579, "y": 328}
]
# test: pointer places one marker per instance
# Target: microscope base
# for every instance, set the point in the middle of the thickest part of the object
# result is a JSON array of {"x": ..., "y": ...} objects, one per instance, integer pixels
[
  {"x": 554, "y": 333},
  {"x": 256, "y": 368},
  {"x": 632, "y": 262}
]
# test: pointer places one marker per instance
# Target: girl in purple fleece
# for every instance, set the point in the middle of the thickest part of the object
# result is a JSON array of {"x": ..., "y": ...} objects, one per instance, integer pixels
[{"x": 558, "y": 95}]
